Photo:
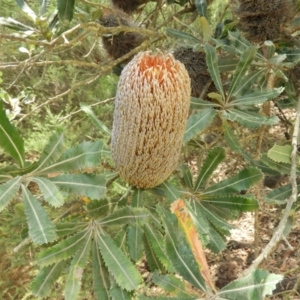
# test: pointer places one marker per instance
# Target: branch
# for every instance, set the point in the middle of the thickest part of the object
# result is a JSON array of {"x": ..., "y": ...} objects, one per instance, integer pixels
[{"x": 278, "y": 234}]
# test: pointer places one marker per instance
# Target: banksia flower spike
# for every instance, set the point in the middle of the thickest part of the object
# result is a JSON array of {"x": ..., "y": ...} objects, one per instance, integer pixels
[{"x": 151, "y": 110}]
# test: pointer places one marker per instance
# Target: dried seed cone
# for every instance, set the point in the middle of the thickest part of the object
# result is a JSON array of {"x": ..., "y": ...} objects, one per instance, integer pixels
[
  {"x": 263, "y": 20},
  {"x": 150, "y": 117}
]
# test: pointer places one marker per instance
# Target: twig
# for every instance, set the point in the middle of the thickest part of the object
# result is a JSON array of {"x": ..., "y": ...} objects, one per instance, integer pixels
[{"x": 278, "y": 233}]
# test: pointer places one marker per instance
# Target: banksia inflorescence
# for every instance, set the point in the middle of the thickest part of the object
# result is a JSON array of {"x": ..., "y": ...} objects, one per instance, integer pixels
[
  {"x": 119, "y": 44},
  {"x": 151, "y": 110},
  {"x": 195, "y": 64},
  {"x": 263, "y": 20}
]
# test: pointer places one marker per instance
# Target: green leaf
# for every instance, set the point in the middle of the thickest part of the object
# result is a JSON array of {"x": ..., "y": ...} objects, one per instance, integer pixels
[
  {"x": 279, "y": 195},
  {"x": 68, "y": 228},
  {"x": 241, "y": 181},
  {"x": 117, "y": 293},
  {"x": 26, "y": 9},
  {"x": 126, "y": 215},
  {"x": 181, "y": 35},
  {"x": 91, "y": 186},
  {"x": 179, "y": 251},
  {"x": 197, "y": 103},
  {"x": 137, "y": 198},
  {"x": 78, "y": 264},
  {"x": 42, "y": 284},
  {"x": 249, "y": 119},
  {"x": 8, "y": 191},
  {"x": 213, "y": 159},
  {"x": 101, "y": 281},
  {"x": 227, "y": 64},
  {"x": 65, "y": 9},
  {"x": 239, "y": 43},
  {"x": 280, "y": 154},
  {"x": 41, "y": 229},
  {"x": 282, "y": 168},
  {"x": 198, "y": 122},
  {"x": 241, "y": 69},
  {"x": 172, "y": 285},
  {"x": 134, "y": 238},
  {"x": 15, "y": 25},
  {"x": 156, "y": 242},
  {"x": 50, "y": 191},
  {"x": 201, "y": 6},
  {"x": 256, "y": 285},
  {"x": 51, "y": 152},
  {"x": 212, "y": 65},
  {"x": 99, "y": 125},
  {"x": 233, "y": 202},
  {"x": 84, "y": 155},
  {"x": 187, "y": 176},
  {"x": 10, "y": 139},
  {"x": 170, "y": 191},
  {"x": 63, "y": 250},
  {"x": 152, "y": 260},
  {"x": 120, "y": 267},
  {"x": 97, "y": 209},
  {"x": 256, "y": 97}
]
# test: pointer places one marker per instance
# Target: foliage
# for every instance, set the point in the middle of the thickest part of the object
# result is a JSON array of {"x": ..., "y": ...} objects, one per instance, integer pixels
[{"x": 85, "y": 222}]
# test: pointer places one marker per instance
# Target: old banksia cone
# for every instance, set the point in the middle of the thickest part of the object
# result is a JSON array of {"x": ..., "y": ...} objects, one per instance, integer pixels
[{"x": 150, "y": 116}]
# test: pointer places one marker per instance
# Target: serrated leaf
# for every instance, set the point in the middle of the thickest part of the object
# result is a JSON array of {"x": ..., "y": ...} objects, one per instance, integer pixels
[
  {"x": 126, "y": 215},
  {"x": 65, "y": 9},
  {"x": 120, "y": 267},
  {"x": 15, "y": 25},
  {"x": 63, "y": 250},
  {"x": 282, "y": 168},
  {"x": 280, "y": 154},
  {"x": 212, "y": 65},
  {"x": 256, "y": 97},
  {"x": 256, "y": 285},
  {"x": 170, "y": 191},
  {"x": 41, "y": 229},
  {"x": 241, "y": 69},
  {"x": 227, "y": 64},
  {"x": 279, "y": 195},
  {"x": 134, "y": 237},
  {"x": 249, "y": 119},
  {"x": 8, "y": 191},
  {"x": 241, "y": 181},
  {"x": 156, "y": 242},
  {"x": 198, "y": 122},
  {"x": 152, "y": 261},
  {"x": 52, "y": 151},
  {"x": 101, "y": 281},
  {"x": 10, "y": 140},
  {"x": 187, "y": 176},
  {"x": 91, "y": 186},
  {"x": 99, "y": 125},
  {"x": 179, "y": 251},
  {"x": 26, "y": 9},
  {"x": 50, "y": 191},
  {"x": 233, "y": 202},
  {"x": 197, "y": 103},
  {"x": 42, "y": 284},
  {"x": 69, "y": 228},
  {"x": 137, "y": 198},
  {"x": 172, "y": 285},
  {"x": 213, "y": 159},
  {"x": 116, "y": 293},
  {"x": 97, "y": 209},
  {"x": 78, "y": 263},
  {"x": 239, "y": 43},
  {"x": 84, "y": 155},
  {"x": 181, "y": 35}
]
